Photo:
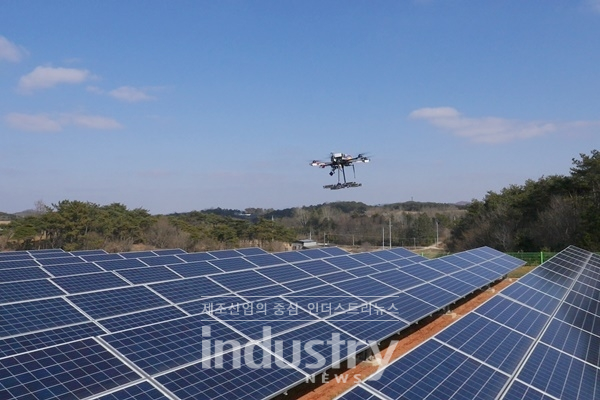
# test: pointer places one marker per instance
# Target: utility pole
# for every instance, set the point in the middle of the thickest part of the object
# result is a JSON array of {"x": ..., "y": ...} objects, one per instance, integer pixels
[
  {"x": 390, "y": 232},
  {"x": 383, "y": 237}
]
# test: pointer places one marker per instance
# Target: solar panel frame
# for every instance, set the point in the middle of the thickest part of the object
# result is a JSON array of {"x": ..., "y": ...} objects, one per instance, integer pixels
[{"x": 89, "y": 282}]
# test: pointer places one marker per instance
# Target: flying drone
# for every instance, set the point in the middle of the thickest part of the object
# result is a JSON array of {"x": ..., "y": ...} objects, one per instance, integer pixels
[{"x": 339, "y": 161}]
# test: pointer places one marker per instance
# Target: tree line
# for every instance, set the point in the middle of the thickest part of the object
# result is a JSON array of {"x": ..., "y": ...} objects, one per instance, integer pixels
[{"x": 548, "y": 214}]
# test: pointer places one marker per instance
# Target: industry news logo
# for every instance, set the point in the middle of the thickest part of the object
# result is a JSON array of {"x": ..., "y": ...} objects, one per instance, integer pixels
[{"x": 311, "y": 356}]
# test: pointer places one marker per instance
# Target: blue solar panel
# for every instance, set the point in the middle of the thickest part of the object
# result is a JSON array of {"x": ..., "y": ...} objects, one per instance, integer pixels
[
  {"x": 488, "y": 341},
  {"x": 73, "y": 269},
  {"x": 47, "y": 338},
  {"x": 366, "y": 258},
  {"x": 316, "y": 267},
  {"x": 69, "y": 370},
  {"x": 407, "y": 307},
  {"x": 265, "y": 260},
  {"x": 159, "y": 347},
  {"x": 367, "y": 288},
  {"x": 422, "y": 272},
  {"x": 137, "y": 254},
  {"x": 22, "y": 274},
  {"x": 586, "y": 346},
  {"x": 210, "y": 305},
  {"x": 315, "y": 253},
  {"x": 532, "y": 298},
  {"x": 345, "y": 262},
  {"x": 251, "y": 251},
  {"x": 401, "y": 251},
  {"x": 358, "y": 393},
  {"x": 117, "y": 301},
  {"x": 336, "y": 277},
  {"x": 161, "y": 260},
  {"x": 59, "y": 260},
  {"x": 89, "y": 282},
  {"x": 433, "y": 294},
  {"x": 165, "y": 252},
  {"x": 230, "y": 377},
  {"x": 368, "y": 323},
  {"x": 324, "y": 300},
  {"x": 14, "y": 255},
  {"x": 436, "y": 371},
  {"x": 37, "y": 315},
  {"x": 191, "y": 257},
  {"x": 232, "y": 264},
  {"x": 452, "y": 285},
  {"x": 188, "y": 289},
  {"x": 113, "y": 265},
  {"x": 18, "y": 263},
  {"x": 141, "y": 318},
  {"x": 148, "y": 274},
  {"x": 322, "y": 355},
  {"x": 28, "y": 290},
  {"x": 304, "y": 284},
  {"x": 141, "y": 391},
  {"x": 225, "y": 253},
  {"x": 384, "y": 266},
  {"x": 363, "y": 271},
  {"x": 334, "y": 251},
  {"x": 101, "y": 257},
  {"x": 284, "y": 273},
  {"x": 397, "y": 279},
  {"x": 509, "y": 313},
  {"x": 560, "y": 375},
  {"x": 242, "y": 280},
  {"x": 263, "y": 292},
  {"x": 276, "y": 314},
  {"x": 386, "y": 255},
  {"x": 292, "y": 256},
  {"x": 194, "y": 268},
  {"x": 441, "y": 265}
]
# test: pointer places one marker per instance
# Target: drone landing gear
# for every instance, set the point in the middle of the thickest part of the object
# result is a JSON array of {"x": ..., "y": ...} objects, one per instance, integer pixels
[{"x": 344, "y": 185}]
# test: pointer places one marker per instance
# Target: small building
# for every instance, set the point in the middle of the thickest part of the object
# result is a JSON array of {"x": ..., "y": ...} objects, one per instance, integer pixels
[{"x": 304, "y": 244}]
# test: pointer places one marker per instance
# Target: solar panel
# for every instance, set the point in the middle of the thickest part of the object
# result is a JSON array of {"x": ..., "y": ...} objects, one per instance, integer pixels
[
  {"x": 59, "y": 260},
  {"x": 117, "y": 301},
  {"x": 230, "y": 377},
  {"x": 18, "y": 263},
  {"x": 73, "y": 269},
  {"x": 284, "y": 273},
  {"x": 37, "y": 340},
  {"x": 165, "y": 345},
  {"x": 22, "y": 274},
  {"x": 141, "y": 391},
  {"x": 232, "y": 264},
  {"x": 316, "y": 267},
  {"x": 529, "y": 342},
  {"x": 155, "y": 323},
  {"x": 79, "y": 369},
  {"x": 161, "y": 260},
  {"x": 194, "y": 268},
  {"x": 140, "y": 318},
  {"x": 264, "y": 260},
  {"x": 28, "y": 290},
  {"x": 37, "y": 315},
  {"x": 148, "y": 274},
  {"x": 188, "y": 289},
  {"x": 89, "y": 282}
]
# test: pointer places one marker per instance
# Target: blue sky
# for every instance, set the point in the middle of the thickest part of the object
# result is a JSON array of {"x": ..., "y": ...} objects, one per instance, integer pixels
[{"x": 188, "y": 105}]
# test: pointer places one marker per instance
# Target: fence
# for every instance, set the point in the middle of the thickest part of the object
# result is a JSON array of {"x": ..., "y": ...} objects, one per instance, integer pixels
[{"x": 534, "y": 258}]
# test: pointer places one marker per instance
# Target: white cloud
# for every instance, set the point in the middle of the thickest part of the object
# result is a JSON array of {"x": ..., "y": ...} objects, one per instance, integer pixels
[
  {"x": 47, "y": 77},
  {"x": 10, "y": 51},
  {"x": 130, "y": 94},
  {"x": 485, "y": 129},
  {"x": 48, "y": 123},
  {"x": 32, "y": 123}
]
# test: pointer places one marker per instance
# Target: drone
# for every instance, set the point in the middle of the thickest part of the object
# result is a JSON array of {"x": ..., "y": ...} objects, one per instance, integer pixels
[{"x": 339, "y": 161}]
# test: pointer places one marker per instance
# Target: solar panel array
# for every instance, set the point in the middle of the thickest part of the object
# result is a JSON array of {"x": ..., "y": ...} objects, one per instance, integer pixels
[
  {"x": 538, "y": 339},
  {"x": 170, "y": 324}
]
